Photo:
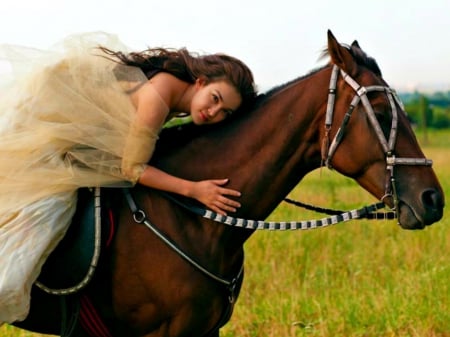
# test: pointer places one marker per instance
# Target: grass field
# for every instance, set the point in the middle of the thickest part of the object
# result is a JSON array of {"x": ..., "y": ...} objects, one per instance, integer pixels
[{"x": 355, "y": 279}]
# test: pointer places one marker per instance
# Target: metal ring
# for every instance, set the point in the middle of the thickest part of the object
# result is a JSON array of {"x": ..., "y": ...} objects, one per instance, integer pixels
[
  {"x": 387, "y": 195},
  {"x": 139, "y": 216}
]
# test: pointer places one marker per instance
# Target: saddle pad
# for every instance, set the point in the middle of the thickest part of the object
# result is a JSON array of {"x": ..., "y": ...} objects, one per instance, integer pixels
[{"x": 69, "y": 263}]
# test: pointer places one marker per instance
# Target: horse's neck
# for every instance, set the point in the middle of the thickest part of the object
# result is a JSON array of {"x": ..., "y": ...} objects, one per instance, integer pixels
[
  {"x": 264, "y": 154},
  {"x": 282, "y": 145}
]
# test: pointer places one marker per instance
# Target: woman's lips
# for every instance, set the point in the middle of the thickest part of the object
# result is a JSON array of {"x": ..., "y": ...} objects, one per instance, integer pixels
[{"x": 203, "y": 117}]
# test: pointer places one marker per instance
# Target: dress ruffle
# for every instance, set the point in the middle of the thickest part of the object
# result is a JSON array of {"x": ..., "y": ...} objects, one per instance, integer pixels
[{"x": 64, "y": 118}]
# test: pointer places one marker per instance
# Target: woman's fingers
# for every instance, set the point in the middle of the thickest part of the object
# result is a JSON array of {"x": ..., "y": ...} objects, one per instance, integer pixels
[
  {"x": 226, "y": 191},
  {"x": 216, "y": 197},
  {"x": 225, "y": 204}
]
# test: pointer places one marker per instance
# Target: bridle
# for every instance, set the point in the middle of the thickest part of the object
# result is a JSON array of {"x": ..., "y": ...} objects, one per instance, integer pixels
[{"x": 388, "y": 145}]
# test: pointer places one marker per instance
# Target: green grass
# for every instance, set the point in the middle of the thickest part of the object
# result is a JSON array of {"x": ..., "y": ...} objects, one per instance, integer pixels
[
  {"x": 9, "y": 331},
  {"x": 360, "y": 278},
  {"x": 355, "y": 279}
]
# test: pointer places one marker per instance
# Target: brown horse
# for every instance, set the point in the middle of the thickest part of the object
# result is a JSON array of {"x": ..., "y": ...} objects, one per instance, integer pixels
[{"x": 343, "y": 115}]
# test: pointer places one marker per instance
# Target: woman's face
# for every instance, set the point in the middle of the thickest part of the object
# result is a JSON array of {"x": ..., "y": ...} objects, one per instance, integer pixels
[{"x": 214, "y": 101}]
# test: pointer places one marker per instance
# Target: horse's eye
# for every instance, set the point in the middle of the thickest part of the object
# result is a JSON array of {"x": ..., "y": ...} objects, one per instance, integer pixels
[{"x": 381, "y": 117}]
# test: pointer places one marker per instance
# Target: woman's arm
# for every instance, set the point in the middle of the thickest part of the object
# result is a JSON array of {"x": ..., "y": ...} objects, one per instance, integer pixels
[
  {"x": 151, "y": 113},
  {"x": 208, "y": 192},
  {"x": 153, "y": 101}
]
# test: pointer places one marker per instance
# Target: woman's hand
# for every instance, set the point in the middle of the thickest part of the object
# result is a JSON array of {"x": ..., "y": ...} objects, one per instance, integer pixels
[
  {"x": 212, "y": 195},
  {"x": 208, "y": 192}
]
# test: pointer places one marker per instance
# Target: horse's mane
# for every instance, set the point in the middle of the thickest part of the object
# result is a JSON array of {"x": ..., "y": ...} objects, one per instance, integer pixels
[
  {"x": 175, "y": 137},
  {"x": 358, "y": 54},
  {"x": 280, "y": 87}
]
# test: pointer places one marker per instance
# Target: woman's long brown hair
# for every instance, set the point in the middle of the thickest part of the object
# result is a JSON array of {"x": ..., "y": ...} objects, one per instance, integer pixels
[{"x": 190, "y": 66}]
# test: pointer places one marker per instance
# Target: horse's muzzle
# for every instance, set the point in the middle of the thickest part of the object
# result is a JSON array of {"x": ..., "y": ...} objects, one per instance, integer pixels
[{"x": 429, "y": 211}]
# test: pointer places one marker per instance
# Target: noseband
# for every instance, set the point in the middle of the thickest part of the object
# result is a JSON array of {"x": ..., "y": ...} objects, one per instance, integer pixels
[{"x": 388, "y": 145}]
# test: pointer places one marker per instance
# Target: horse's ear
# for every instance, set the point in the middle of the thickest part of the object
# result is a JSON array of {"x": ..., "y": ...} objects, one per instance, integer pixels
[
  {"x": 340, "y": 55},
  {"x": 355, "y": 44}
]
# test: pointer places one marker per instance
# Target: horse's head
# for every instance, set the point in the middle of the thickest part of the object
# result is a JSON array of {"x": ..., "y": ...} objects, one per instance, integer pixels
[{"x": 385, "y": 158}]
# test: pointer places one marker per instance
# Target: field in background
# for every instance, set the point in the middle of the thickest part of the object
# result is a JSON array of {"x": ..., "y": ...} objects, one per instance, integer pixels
[
  {"x": 360, "y": 278},
  {"x": 355, "y": 279}
]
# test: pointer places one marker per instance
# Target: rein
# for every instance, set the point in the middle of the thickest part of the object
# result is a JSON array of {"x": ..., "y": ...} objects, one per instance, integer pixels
[
  {"x": 368, "y": 216},
  {"x": 364, "y": 212},
  {"x": 140, "y": 217}
]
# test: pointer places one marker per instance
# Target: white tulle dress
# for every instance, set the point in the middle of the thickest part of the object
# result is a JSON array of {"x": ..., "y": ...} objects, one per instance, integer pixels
[{"x": 64, "y": 118}]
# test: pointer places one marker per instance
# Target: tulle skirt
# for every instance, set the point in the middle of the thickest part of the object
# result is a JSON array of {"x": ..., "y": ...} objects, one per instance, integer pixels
[{"x": 64, "y": 118}]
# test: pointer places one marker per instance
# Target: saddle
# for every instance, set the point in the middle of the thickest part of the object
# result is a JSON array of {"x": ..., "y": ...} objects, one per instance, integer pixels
[{"x": 70, "y": 267}]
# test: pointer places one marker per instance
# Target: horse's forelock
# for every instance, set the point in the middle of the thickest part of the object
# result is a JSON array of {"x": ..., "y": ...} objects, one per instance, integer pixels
[
  {"x": 365, "y": 60},
  {"x": 359, "y": 56}
]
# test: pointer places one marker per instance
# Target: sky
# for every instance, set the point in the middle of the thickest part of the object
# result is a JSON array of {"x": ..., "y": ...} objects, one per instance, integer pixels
[{"x": 278, "y": 39}]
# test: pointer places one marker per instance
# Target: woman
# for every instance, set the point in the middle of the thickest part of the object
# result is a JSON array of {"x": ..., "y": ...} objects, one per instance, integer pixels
[{"x": 85, "y": 116}]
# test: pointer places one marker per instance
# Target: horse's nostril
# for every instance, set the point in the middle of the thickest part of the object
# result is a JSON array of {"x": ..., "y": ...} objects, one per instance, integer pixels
[
  {"x": 433, "y": 202},
  {"x": 432, "y": 199}
]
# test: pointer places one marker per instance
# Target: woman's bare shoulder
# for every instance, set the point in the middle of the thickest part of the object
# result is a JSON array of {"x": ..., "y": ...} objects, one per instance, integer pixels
[{"x": 168, "y": 86}]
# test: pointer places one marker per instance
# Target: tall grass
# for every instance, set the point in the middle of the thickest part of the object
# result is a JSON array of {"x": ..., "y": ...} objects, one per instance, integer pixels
[{"x": 355, "y": 279}]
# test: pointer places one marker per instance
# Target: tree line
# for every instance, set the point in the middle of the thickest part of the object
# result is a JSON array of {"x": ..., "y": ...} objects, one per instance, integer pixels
[{"x": 428, "y": 110}]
